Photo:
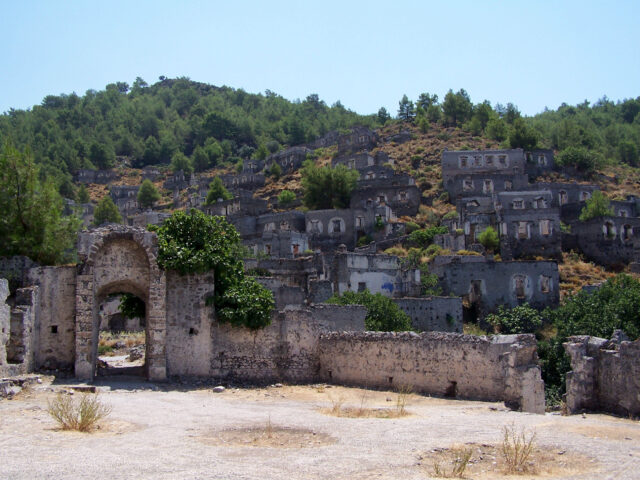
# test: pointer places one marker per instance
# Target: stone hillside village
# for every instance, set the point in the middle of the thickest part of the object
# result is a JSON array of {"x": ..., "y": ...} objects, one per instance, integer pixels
[{"x": 306, "y": 256}]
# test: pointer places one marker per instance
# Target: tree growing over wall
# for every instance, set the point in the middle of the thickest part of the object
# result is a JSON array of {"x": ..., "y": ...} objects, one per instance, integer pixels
[
  {"x": 489, "y": 239},
  {"x": 31, "y": 222},
  {"x": 382, "y": 313},
  {"x": 597, "y": 206},
  {"x": 197, "y": 243},
  {"x": 286, "y": 197}
]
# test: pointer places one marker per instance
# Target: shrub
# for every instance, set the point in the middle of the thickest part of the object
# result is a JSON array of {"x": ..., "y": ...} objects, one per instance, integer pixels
[
  {"x": 364, "y": 240},
  {"x": 517, "y": 448},
  {"x": 286, "y": 197},
  {"x": 467, "y": 252},
  {"x": 597, "y": 206},
  {"x": 217, "y": 190},
  {"x": 423, "y": 238},
  {"x": 520, "y": 319},
  {"x": 489, "y": 239},
  {"x": 452, "y": 215},
  {"x": 411, "y": 227},
  {"x": 82, "y": 415},
  {"x": 382, "y": 313}
]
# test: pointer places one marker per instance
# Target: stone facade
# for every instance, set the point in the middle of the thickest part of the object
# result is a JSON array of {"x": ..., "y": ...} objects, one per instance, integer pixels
[
  {"x": 290, "y": 159},
  {"x": 487, "y": 284},
  {"x": 462, "y": 366},
  {"x": 605, "y": 375},
  {"x": 5, "y": 325},
  {"x": 102, "y": 177},
  {"x": 360, "y": 138},
  {"x": 433, "y": 314},
  {"x": 609, "y": 241}
]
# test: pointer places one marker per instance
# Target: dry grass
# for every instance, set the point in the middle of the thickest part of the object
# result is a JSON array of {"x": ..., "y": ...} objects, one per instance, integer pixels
[
  {"x": 111, "y": 343},
  {"x": 517, "y": 449},
  {"x": 458, "y": 459},
  {"x": 338, "y": 409},
  {"x": 269, "y": 436},
  {"x": 82, "y": 415},
  {"x": 575, "y": 273}
]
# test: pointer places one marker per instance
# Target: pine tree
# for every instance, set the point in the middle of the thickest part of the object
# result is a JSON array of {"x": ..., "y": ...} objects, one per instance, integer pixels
[
  {"x": 148, "y": 194},
  {"x": 106, "y": 212}
]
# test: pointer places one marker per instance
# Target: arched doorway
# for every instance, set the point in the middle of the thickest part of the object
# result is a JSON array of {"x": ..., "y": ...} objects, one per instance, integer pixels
[{"x": 119, "y": 259}]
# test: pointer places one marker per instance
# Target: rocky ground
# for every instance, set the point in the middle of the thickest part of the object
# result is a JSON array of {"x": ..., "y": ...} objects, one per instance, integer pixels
[{"x": 168, "y": 431}]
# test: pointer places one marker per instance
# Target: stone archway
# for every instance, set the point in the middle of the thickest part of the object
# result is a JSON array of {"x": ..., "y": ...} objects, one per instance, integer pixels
[{"x": 114, "y": 259}]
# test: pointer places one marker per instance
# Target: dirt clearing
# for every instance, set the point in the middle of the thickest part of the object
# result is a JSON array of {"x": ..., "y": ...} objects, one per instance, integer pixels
[{"x": 175, "y": 431}]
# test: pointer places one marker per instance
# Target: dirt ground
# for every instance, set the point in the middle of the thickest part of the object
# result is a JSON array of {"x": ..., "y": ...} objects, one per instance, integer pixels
[{"x": 176, "y": 431}]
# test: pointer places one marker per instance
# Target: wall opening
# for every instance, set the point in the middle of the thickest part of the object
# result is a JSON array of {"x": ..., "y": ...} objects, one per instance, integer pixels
[{"x": 122, "y": 337}]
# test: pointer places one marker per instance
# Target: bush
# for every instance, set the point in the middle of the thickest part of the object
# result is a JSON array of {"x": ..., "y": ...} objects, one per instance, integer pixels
[
  {"x": 423, "y": 238},
  {"x": 197, "y": 243},
  {"x": 382, "y": 313},
  {"x": 216, "y": 191},
  {"x": 579, "y": 158},
  {"x": 597, "y": 206},
  {"x": 82, "y": 415},
  {"x": 411, "y": 227},
  {"x": 326, "y": 187},
  {"x": 520, "y": 319},
  {"x": 489, "y": 239},
  {"x": 286, "y": 197}
]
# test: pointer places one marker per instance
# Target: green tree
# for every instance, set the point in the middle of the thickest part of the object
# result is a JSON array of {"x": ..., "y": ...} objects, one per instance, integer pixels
[
  {"x": 522, "y": 136},
  {"x": 101, "y": 156},
  {"x": 597, "y": 206},
  {"x": 131, "y": 306},
  {"x": 628, "y": 152},
  {"x": 520, "y": 319},
  {"x": 148, "y": 194},
  {"x": 200, "y": 159},
  {"x": 383, "y": 116},
  {"x": 217, "y": 190},
  {"x": 489, "y": 239},
  {"x": 456, "y": 107},
  {"x": 286, "y": 197},
  {"x": 382, "y": 313},
  {"x": 82, "y": 195},
  {"x": 326, "y": 187},
  {"x": 32, "y": 223},
  {"x": 406, "y": 109},
  {"x": 106, "y": 212},
  {"x": 275, "y": 170},
  {"x": 579, "y": 158},
  {"x": 197, "y": 243},
  {"x": 423, "y": 238},
  {"x": 180, "y": 161}
]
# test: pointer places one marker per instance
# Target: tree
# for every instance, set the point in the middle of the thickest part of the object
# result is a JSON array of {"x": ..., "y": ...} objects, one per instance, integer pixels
[
  {"x": 628, "y": 152},
  {"x": 423, "y": 238},
  {"x": 179, "y": 161},
  {"x": 32, "y": 223},
  {"x": 406, "y": 109},
  {"x": 148, "y": 194},
  {"x": 382, "y": 313},
  {"x": 200, "y": 159},
  {"x": 456, "y": 108},
  {"x": 217, "y": 191},
  {"x": 383, "y": 116},
  {"x": 520, "y": 319},
  {"x": 106, "y": 212},
  {"x": 275, "y": 170},
  {"x": 82, "y": 196},
  {"x": 522, "y": 136},
  {"x": 101, "y": 156},
  {"x": 426, "y": 100},
  {"x": 326, "y": 187},
  {"x": 197, "y": 243},
  {"x": 489, "y": 239},
  {"x": 579, "y": 158},
  {"x": 286, "y": 197},
  {"x": 131, "y": 306},
  {"x": 597, "y": 206}
]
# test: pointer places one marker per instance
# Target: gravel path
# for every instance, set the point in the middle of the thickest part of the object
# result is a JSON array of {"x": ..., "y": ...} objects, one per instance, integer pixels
[{"x": 166, "y": 433}]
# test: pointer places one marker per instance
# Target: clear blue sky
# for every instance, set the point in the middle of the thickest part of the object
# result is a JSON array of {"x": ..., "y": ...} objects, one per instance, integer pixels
[{"x": 533, "y": 53}]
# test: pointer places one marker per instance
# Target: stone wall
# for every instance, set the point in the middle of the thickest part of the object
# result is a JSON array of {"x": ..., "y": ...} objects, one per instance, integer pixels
[
  {"x": 21, "y": 345},
  {"x": 4, "y": 325},
  {"x": 55, "y": 332},
  {"x": 605, "y": 375},
  {"x": 189, "y": 323},
  {"x": 433, "y": 314},
  {"x": 501, "y": 368},
  {"x": 15, "y": 270},
  {"x": 286, "y": 350}
]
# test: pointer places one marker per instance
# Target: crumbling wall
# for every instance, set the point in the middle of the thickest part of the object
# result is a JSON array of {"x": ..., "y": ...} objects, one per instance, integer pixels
[
  {"x": 189, "y": 321},
  {"x": 20, "y": 348},
  {"x": 55, "y": 311},
  {"x": 286, "y": 350},
  {"x": 503, "y": 367},
  {"x": 4, "y": 325},
  {"x": 605, "y": 375},
  {"x": 433, "y": 314}
]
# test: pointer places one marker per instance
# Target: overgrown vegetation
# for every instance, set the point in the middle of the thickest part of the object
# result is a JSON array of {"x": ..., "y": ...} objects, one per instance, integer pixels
[
  {"x": 517, "y": 448},
  {"x": 326, "y": 187},
  {"x": 197, "y": 243},
  {"x": 382, "y": 313}
]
